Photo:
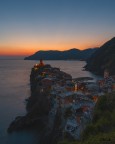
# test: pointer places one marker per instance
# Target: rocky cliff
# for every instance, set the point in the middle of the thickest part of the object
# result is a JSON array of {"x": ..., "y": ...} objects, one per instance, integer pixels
[{"x": 39, "y": 105}]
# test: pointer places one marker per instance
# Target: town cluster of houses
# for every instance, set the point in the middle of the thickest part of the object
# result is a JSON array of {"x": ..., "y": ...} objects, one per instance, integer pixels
[
  {"x": 75, "y": 98},
  {"x": 76, "y": 104},
  {"x": 107, "y": 84}
]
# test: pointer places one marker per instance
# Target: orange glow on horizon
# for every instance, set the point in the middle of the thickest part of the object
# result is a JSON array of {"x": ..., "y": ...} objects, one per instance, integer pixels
[
  {"x": 28, "y": 45},
  {"x": 31, "y": 49},
  {"x": 8, "y": 51}
]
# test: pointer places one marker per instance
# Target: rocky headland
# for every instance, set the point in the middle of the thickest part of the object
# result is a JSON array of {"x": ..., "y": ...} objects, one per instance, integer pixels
[
  {"x": 60, "y": 107},
  {"x": 38, "y": 105}
]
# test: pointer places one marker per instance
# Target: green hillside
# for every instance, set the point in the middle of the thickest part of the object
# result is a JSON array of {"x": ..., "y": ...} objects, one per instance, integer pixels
[{"x": 102, "y": 128}]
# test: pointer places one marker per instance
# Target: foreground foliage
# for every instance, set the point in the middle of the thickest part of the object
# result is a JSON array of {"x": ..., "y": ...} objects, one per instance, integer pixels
[{"x": 102, "y": 128}]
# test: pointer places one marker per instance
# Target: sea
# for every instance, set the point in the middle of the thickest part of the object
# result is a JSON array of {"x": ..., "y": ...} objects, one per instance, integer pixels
[{"x": 15, "y": 88}]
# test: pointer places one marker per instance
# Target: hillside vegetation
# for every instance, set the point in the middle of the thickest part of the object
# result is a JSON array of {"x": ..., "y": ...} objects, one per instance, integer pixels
[
  {"x": 103, "y": 58},
  {"x": 102, "y": 128}
]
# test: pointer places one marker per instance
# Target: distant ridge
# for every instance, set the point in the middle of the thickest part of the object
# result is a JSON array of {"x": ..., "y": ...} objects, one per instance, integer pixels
[
  {"x": 103, "y": 58},
  {"x": 72, "y": 54}
]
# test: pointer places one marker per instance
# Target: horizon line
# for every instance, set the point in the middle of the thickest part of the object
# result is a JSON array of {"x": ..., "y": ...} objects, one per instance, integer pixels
[{"x": 21, "y": 55}]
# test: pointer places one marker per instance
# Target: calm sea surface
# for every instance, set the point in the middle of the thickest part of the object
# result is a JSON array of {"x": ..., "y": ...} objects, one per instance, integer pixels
[{"x": 14, "y": 89}]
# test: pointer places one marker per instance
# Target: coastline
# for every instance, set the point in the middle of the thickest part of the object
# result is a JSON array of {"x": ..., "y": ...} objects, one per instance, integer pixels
[
  {"x": 39, "y": 106},
  {"x": 37, "y": 109}
]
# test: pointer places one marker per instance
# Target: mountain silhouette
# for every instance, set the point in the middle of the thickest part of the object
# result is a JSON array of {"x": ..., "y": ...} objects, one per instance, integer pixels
[{"x": 72, "y": 54}]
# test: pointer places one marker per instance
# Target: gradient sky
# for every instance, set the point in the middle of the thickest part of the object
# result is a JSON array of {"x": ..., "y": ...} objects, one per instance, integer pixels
[{"x": 27, "y": 26}]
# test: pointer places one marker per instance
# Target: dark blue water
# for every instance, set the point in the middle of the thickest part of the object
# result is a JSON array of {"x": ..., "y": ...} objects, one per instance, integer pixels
[{"x": 14, "y": 89}]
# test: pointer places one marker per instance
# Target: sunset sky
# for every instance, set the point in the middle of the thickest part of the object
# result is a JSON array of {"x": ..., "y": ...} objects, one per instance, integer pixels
[{"x": 27, "y": 26}]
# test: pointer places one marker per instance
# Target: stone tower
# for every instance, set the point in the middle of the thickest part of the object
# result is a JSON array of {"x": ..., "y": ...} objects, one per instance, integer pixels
[{"x": 106, "y": 73}]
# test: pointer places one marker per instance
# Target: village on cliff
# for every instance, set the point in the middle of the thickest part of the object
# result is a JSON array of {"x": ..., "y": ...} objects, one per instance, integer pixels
[{"x": 75, "y": 98}]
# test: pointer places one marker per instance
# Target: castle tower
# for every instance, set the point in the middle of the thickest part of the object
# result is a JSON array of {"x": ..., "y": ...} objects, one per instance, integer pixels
[
  {"x": 41, "y": 63},
  {"x": 106, "y": 73}
]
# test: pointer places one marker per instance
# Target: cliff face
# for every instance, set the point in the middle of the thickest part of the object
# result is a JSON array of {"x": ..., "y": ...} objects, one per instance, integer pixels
[
  {"x": 62, "y": 55},
  {"x": 39, "y": 105},
  {"x": 103, "y": 58}
]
